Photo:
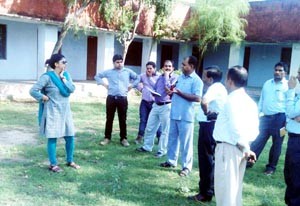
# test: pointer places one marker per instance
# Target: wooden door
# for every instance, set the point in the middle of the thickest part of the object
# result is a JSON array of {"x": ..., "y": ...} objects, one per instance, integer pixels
[{"x": 92, "y": 43}]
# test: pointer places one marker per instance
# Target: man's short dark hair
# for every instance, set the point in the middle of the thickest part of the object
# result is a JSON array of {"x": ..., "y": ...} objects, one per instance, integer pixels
[
  {"x": 283, "y": 65},
  {"x": 214, "y": 72},
  {"x": 238, "y": 75},
  {"x": 151, "y": 64},
  {"x": 117, "y": 57},
  {"x": 193, "y": 61}
]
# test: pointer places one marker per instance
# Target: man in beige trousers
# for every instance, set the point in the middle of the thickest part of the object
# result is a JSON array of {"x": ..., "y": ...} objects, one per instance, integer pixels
[{"x": 235, "y": 128}]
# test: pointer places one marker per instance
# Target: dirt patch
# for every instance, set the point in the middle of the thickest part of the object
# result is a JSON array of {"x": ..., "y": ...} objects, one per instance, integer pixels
[
  {"x": 17, "y": 137},
  {"x": 9, "y": 139}
]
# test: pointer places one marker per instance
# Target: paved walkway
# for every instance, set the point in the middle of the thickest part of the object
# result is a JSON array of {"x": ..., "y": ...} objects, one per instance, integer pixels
[
  {"x": 19, "y": 91},
  {"x": 85, "y": 91}
]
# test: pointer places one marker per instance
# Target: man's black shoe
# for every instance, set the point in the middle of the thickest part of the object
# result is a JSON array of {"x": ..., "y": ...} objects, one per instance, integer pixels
[
  {"x": 249, "y": 165},
  {"x": 141, "y": 149},
  {"x": 166, "y": 165},
  {"x": 200, "y": 198},
  {"x": 269, "y": 172}
]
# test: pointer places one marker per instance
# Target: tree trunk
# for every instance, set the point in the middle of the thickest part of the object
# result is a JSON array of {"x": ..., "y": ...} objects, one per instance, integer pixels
[
  {"x": 67, "y": 24},
  {"x": 128, "y": 41},
  {"x": 62, "y": 35}
]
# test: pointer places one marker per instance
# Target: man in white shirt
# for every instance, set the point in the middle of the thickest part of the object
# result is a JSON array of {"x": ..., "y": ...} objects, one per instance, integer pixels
[
  {"x": 212, "y": 103},
  {"x": 271, "y": 107},
  {"x": 235, "y": 128}
]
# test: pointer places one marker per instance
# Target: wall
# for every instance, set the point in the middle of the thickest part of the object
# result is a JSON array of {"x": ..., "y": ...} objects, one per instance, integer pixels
[
  {"x": 75, "y": 50},
  {"x": 219, "y": 56},
  {"x": 21, "y": 62},
  {"x": 262, "y": 61}
]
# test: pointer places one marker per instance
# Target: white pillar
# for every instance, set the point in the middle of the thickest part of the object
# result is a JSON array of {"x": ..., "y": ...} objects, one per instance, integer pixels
[
  {"x": 105, "y": 52},
  {"x": 295, "y": 59},
  {"x": 47, "y": 37},
  {"x": 149, "y": 52},
  {"x": 236, "y": 55}
]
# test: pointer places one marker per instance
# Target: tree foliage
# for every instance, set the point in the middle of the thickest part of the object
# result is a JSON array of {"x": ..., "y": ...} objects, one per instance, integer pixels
[
  {"x": 74, "y": 10},
  {"x": 213, "y": 22},
  {"x": 124, "y": 16}
]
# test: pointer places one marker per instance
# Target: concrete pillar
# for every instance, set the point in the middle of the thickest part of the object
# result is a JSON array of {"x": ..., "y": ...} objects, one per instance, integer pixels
[
  {"x": 236, "y": 55},
  {"x": 149, "y": 52},
  {"x": 185, "y": 50},
  {"x": 295, "y": 59},
  {"x": 47, "y": 38},
  {"x": 105, "y": 51}
]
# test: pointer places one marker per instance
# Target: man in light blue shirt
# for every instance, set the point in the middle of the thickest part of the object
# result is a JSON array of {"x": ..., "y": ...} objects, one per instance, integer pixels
[
  {"x": 188, "y": 90},
  {"x": 292, "y": 157},
  {"x": 272, "y": 111},
  {"x": 119, "y": 83}
]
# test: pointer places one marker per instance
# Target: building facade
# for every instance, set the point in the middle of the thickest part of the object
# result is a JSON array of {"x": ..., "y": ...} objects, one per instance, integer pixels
[{"x": 29, "y": 31}]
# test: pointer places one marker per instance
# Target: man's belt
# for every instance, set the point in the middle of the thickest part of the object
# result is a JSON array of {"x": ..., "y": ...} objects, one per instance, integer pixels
[
  {"x": 162, "y": 103},
  {"x": 117, "y": 97},
  {"x": 293, "y": 134}
]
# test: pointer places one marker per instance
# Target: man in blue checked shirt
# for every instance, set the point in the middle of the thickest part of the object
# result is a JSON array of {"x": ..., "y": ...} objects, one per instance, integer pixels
[{"x": 119, "y": 83}]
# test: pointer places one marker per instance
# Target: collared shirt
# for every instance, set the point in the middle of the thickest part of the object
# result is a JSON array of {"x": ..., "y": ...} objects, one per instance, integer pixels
[
  {"x": 292, "y": 111},
  {"x": 215, "y": 96},
  {"x": 148, "y": 83},
  {"x": 238, "y": 122},
  {"x": 272, "y": 99},
  {"x": 118, "y": 80},
  {"x": 181, "y": 108},
  {"x": 162, "y": 82}
]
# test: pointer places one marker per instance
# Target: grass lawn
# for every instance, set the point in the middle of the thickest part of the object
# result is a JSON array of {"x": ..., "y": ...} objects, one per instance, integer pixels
[{"x": 110, "y": 175}]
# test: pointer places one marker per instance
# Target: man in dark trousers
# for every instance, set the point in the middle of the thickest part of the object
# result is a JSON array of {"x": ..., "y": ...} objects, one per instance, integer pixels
[
  {"x": 272, "y": 117},
  {"x": 212, "y": 103},
  {"x": 292, "y": 157},
  {"x": 120, "y": 81}
]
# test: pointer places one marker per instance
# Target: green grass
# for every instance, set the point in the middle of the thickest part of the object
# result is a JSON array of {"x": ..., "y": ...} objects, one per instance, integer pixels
[{"x": 110, "y": 175}]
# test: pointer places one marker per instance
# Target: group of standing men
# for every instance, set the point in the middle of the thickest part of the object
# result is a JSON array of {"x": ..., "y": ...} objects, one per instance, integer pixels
[{"x": 227, "y": 123}]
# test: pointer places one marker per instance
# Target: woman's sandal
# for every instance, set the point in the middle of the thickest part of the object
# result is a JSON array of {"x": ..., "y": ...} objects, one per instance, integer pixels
[
  {"x": 55, "y": 168},
  {"x": 73, "y": 165}
]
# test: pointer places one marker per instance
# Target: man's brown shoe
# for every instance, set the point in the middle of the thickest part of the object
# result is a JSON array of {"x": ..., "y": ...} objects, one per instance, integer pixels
[
  {"x": 125, "y": 143},
  {"x": 105, "y": 142}
]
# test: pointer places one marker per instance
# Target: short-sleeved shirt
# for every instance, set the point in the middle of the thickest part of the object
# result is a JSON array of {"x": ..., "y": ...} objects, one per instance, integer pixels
[
  {"x": 181, "y": 108},
  {"x": 215, "y": 96}
]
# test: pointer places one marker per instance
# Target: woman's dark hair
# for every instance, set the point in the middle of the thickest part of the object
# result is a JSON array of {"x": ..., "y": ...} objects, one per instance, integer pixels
[
  {"x": 238, "y": 75},
  {"x": 117, "y": 57},
  {"x": 54, "y": 59},
  {"x": 214, "y": 72}
]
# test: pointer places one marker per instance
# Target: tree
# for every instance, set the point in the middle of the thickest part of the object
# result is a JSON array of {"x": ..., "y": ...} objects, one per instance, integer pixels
[
  {"x": 74, "y": 10},
  {"x": 213, "y": 22},
  {"x": 125, "y": 16}
]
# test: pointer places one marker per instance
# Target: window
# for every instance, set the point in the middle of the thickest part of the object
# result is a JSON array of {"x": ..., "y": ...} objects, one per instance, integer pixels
[
  {"x": 286, "y": 55},
  {"x": 134, "y": 54},
  {"x": 247, "y": 57},
  {"x": 2, "y": 41}
]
